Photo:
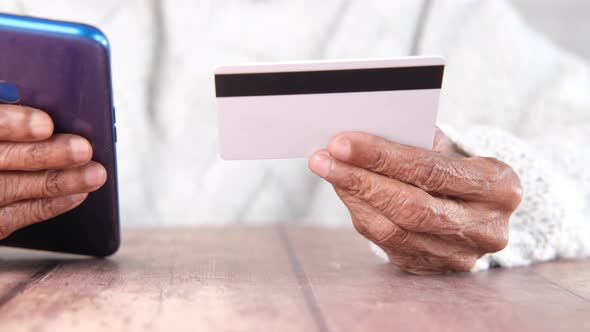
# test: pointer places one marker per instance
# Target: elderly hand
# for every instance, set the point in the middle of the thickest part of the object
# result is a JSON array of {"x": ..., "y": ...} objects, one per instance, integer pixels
[
  {"x": 41, "y": 175},
  {"x": 430, "y": 211}
]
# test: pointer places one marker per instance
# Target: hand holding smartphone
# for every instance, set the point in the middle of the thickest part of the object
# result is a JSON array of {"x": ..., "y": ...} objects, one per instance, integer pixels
[{"x": 60, "y": 71}]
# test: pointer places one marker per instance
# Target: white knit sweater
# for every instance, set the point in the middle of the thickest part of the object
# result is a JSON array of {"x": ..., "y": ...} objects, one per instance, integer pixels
[{"x": 508, "y": 93}]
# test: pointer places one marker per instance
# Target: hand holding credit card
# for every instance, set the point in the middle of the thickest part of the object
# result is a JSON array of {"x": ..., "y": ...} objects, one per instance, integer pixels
[
  {"x": 368, "y": 128},
  {"x": 291, "y": 110}
]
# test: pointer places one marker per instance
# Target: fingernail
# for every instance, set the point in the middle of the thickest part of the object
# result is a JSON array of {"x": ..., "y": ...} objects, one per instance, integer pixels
[
  {"x": 95, "y": 175},
  {"x": 77, "y": 198},
  {"x": 321, "y": 164},
  {"x": 340, "y": 148},
  {"x": 80, "y": 149},
  {"x": 40, "y": 125}
]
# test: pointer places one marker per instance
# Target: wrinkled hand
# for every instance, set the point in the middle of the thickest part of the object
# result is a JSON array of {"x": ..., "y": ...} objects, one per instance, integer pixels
[
  {"x": 41, "y": 175},
  {"x": 430, "y": 211}
]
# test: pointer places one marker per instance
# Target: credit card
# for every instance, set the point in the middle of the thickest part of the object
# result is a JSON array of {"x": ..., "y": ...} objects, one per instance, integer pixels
[{"x": 291, "y": 110}]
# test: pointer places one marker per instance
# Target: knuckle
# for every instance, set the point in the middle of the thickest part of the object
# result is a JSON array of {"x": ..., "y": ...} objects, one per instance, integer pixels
[
  {"x": 499, "y": 241},
  {"x": 494, "y": 236},
  {"x": 42, "y": 209},
  {"x": 416, "y": 211},
  {"x": 429, "y": 173},
  {"x": 386, "y": 201},
  {"x": 380, "y": 161},
  {"x": 35, "y": 155},
  {"x": 494, "y": 171},
  {"x": 504, "y": 182},
  {"x": 53, "y": 182},
  {"x": 355, "y": 186},
  {"x": 488, "y": 173},
  {"x": 514, "y": 194},
  {"x": 422, "y": 218}
]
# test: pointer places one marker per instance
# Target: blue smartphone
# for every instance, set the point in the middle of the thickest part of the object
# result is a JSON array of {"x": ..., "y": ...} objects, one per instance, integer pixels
[{"x": 63, "y": 69}]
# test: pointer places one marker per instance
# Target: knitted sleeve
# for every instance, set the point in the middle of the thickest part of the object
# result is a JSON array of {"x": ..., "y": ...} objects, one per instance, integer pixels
[
  {"x": 552, "y": 220},
  {"x": 504, "y": 75}
]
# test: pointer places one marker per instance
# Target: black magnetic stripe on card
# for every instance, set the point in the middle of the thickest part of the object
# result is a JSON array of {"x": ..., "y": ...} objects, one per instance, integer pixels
[{"x": 329, "y": 81}]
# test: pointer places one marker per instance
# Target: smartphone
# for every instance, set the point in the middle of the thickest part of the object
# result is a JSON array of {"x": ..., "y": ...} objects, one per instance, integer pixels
[{"x": 63, "y": 69}]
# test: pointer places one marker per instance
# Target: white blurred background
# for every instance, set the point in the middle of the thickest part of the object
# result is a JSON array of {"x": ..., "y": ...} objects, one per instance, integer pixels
[{"x": 565, "y": 21}]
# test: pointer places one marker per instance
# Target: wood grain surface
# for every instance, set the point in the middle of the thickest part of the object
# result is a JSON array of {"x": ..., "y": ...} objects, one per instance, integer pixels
[{"x": 276, "y": 278}]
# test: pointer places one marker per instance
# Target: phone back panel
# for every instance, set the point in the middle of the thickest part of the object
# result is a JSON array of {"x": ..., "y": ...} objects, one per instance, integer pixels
[{"x": 64, "y": 69}]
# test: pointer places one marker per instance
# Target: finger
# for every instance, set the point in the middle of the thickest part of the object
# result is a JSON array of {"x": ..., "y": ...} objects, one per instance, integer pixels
[
  {"x": 59, "y": 151},
  {"x": 469, "y": 178},
  {"x": 409, "y": 207},
  {"x": 25, "y": 213},
  {"x": 24, "y": 124},
  {"x": 18, "y": 186},
  {"x": 414, "y": 252},
  {"x": 371, "y": 224},
  {"x": 470, "y": 225}
]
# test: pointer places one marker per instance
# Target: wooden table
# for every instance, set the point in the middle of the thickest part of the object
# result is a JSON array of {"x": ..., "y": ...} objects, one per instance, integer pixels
[{"x": 276, "y": 278}]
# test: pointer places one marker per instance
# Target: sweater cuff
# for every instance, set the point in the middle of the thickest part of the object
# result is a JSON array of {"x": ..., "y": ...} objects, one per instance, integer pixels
[{"x": 548, "y": 223}]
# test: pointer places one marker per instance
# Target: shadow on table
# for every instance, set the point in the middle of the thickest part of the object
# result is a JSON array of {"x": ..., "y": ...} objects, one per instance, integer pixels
[{"x": 31, "y": 262}]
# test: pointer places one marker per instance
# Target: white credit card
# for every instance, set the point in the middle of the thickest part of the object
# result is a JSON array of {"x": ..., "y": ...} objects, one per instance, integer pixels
[{"x": 291, "y": 110}]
